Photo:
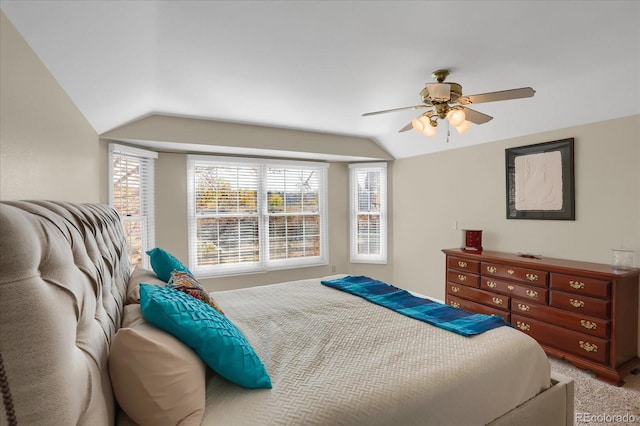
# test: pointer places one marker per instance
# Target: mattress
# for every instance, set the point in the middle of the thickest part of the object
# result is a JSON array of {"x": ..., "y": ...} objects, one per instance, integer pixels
[{"x": 336, "y": 359}]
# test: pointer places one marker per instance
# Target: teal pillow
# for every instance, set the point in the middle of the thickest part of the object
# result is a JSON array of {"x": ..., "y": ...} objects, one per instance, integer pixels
[
  {"x": 210, "y": 334},
  {"x": 164, "y": 263}
]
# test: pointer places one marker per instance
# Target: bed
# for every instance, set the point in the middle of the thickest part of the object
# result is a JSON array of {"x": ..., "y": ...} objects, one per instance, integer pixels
[{"x": 76, "y": 348}]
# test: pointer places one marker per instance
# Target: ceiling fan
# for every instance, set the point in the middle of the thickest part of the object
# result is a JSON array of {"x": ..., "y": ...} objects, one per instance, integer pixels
[{"x": 446, "y": 101}]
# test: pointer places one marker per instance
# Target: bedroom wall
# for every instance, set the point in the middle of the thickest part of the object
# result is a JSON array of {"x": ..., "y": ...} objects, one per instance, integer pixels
[
  {"x": 48, "y": 150},
  {"x": 468, "y": 186}
]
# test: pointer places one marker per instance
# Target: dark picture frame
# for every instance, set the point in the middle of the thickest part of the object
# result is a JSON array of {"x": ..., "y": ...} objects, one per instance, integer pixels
[{"x": 540, "y": 181}]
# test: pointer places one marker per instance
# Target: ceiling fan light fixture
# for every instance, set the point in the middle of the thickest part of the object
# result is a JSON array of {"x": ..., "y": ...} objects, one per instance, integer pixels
[
  {"x": 425, "y": 125},
  {"x": 462, "y": 128},
  {"x": 429, "y": 131},
  {"x": 419, "y": 123},
  {"x": 456, "y": 117}
]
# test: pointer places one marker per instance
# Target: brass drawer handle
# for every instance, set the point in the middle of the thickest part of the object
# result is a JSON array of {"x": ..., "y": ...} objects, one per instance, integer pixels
[
  {"x": 578, "y": 285},
  {"x": 455, "y": 289},
  {"x": 497, "y": 300},
  {"x": 454, "y": 304},
  {"x": 491, "y": 284},
  {"x": 588, "y": 324},
  {"x": 532, "y": 293},
  {"x": 523, "y": 326},
  {"x": 462, "y": 277},
  {"x": 491, "y": 269},
  {"x": 576, "y": 303},
  {"x": 523, "y": 307},
  {"x": 532, "y": 277},
  {"x": 462, "y": 264},
  {"x": 589, "y": 347},
  {"x": 511, "y": 272}
]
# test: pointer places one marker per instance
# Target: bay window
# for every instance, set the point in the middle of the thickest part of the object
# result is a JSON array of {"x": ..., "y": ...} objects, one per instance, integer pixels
[{"x": 250, "y": 215}]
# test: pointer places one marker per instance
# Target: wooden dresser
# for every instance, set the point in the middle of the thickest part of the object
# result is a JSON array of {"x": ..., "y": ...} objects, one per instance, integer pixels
[{"x": 586, "y": 313}]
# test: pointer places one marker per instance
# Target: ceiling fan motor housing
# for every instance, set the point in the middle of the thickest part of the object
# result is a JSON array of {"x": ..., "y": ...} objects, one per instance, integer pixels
[{"x": 455, "y": 91}]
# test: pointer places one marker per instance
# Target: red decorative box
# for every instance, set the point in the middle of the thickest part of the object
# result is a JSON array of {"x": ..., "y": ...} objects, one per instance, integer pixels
[{"x": 472, "y": 240}]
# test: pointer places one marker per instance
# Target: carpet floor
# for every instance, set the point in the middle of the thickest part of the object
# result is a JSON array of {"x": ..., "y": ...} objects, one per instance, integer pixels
[{"x": 598, "y": 403}]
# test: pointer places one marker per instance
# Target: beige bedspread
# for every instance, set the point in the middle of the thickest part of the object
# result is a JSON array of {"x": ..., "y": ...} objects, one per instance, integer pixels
[{"x": 336, "y": 359}]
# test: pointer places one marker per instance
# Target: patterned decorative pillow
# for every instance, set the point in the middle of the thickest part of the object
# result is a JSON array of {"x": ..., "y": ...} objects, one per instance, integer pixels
[
  {"x": 212, "y": 336},
  {"x": 186, "y": 283}
]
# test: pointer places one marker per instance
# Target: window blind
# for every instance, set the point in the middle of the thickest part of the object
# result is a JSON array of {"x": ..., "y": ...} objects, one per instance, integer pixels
[
  {"x": 131, "y": 193},
  {"x": 368, "y": 199},
  {"x": 248, "y": 215}
]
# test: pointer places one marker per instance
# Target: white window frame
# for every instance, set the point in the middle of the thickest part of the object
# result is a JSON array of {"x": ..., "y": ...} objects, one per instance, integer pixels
[
  {"x": 147, "y": 182},
  {"x": 264, "y": 264},
  {"x": 355, "y": 256}
]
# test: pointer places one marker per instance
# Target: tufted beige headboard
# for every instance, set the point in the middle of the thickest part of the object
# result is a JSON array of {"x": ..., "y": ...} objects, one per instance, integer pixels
[{"x": 63, "y": 276}]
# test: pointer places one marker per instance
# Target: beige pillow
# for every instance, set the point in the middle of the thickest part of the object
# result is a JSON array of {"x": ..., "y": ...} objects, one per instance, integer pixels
[
  {"x": 132, "y": 317},
  {"x": 156, "y": 379},
  {"x": 140, "y": 275}
]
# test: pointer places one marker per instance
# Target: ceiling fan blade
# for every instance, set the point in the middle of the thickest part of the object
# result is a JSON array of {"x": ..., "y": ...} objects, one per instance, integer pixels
[
  {"x": 504, "y": 95},
  {"x": 394, "y": 110},
  {"x": 405, "y": 128},
  {"x": 476, "y": 117}
]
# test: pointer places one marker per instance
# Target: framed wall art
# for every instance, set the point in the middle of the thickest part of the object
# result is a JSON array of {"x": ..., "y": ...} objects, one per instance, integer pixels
[{"x": 540, "y": 181}]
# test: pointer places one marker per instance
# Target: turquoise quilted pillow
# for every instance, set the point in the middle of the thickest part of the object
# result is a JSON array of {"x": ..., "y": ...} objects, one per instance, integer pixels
[
  {"x": 210, "y": 334},
  {"x": 164, "y": 263}
]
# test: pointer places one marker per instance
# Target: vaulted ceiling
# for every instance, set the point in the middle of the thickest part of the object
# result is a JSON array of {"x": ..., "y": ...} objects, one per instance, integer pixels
[{"x": 318, "y": 65}]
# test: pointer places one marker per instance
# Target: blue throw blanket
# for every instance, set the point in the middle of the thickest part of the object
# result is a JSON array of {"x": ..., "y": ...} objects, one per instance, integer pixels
[{"x": 403, "y": 302}]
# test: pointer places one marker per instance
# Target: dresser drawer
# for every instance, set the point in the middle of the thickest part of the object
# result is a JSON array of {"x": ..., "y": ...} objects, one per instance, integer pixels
[
  {"x": 529, "y": 276},
  {"x": 593, "y": 326},
  {"x": 573, "y": 342},
  {"x": 470, "y": 306},
  {"x": 480, "y": 296},
  {"x": 464, "y": 278},
  {"x": 579, "y": 304},
  {"x": 580, "y": 285},
  {"x": 510, "y": 288},
  {"x": 465, "y": 265}
]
